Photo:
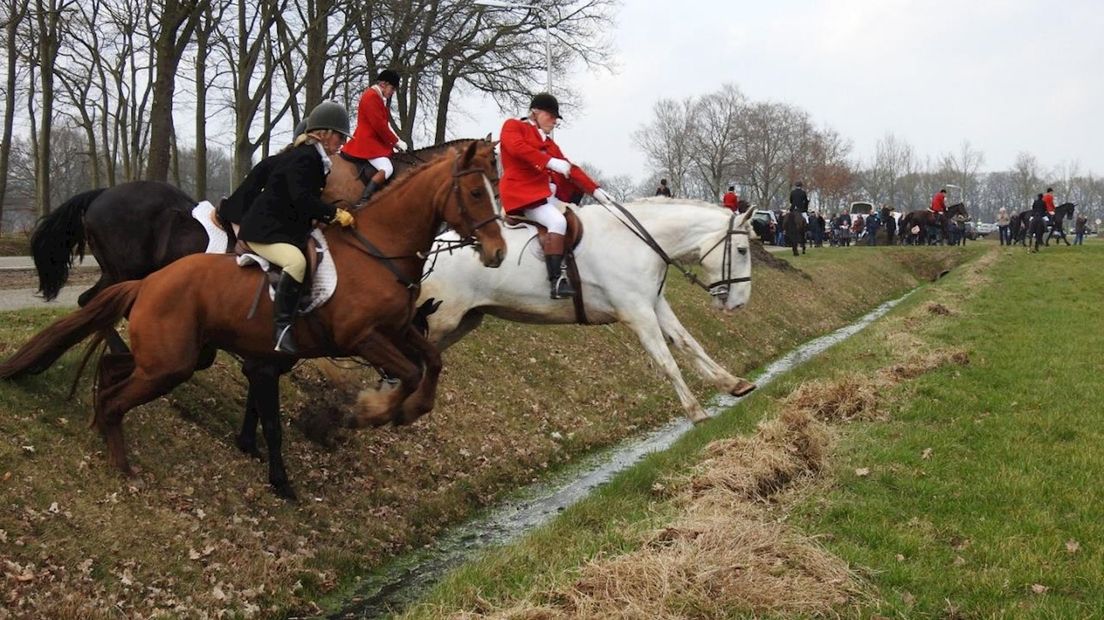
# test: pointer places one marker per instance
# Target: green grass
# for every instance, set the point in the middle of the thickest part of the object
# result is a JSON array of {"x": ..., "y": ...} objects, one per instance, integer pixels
[
  {"x": 1015, "y": 464},
  {"x": 1012, "y": 474}
]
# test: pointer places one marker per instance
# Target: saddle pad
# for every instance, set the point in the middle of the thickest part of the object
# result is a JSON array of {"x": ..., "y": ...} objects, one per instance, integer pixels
[
  {"x": 216, "y": 237},
  {"x": 323, "y": 283}
]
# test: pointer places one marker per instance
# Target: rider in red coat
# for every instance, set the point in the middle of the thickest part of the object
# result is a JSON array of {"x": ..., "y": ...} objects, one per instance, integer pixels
[
  {"x": 730, "y": 200},
  {"x": 1048, "y": 200},
  {"x": 373, "y": 140},
  {"x": 939, "y": 201},
  {"x": 536, "y": 177}
]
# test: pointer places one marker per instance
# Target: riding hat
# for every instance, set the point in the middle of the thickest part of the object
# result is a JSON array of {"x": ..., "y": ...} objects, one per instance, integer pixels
[
  {"x": 329, "y": 115},
  {"x": 546, "y": 102},
  {"x": 390, "y": 76}
]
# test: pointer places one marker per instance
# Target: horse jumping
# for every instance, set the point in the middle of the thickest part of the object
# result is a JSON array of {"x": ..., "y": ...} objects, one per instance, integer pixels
[{"x": 201, "y": 302}]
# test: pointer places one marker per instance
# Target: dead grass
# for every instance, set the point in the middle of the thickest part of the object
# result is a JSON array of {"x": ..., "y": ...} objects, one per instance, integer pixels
[
  {"x": 724, "y": 554},
  {"x": 846, "y": 398}
]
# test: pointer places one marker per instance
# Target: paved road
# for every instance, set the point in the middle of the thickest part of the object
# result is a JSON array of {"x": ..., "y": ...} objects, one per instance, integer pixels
[
  {"x": 21, "y": 298},
  {"x": 26, "y": 262}
]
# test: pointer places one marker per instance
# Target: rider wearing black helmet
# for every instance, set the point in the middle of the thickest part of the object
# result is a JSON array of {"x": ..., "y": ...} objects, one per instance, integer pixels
[{"x": 281, "y": 216}]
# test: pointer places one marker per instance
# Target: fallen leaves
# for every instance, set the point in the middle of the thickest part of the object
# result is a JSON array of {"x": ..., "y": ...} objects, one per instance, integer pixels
[
  {"x": 862, "y": 472},
  {"x": 1039, "y": 588},
  {"x": 926, "y": 454},
  {"x": 1072, "y": 546}
]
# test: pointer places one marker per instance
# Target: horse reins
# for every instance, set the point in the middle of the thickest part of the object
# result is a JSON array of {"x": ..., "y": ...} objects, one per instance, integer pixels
[
  {"x": 388, "y": 261},
  {"x": 726, "y": 262}
]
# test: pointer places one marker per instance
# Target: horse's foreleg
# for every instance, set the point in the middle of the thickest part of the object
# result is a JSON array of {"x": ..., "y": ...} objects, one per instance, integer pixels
[
  {"x": 378, "y": 407},
  {"x": 679, "y": 336},
  {"x": 421, "y": 401},
  {"x": 646, "y": 327},
  {"x": 264, "y": 392},
  {"x": 247, "y": 438}
]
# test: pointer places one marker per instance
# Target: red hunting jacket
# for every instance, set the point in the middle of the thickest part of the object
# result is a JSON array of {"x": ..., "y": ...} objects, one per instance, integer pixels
[
  {"x": 731, "y": 201},
  {"x": 525, "y": 178},
  {"x": 939, "y": 202},
  {"x": 373, "y": 136},
  {"x": 1048, "y": 200}
]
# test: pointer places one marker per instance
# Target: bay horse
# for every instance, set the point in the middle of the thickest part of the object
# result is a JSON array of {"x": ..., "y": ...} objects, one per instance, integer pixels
[
  {"x": 794, "y": 226},
  {"x": 201, "y": 302},
  {"x": 925, "y": 218},
  {"x": 136, "y": 228},
  {"x": 622, "y": 280}
]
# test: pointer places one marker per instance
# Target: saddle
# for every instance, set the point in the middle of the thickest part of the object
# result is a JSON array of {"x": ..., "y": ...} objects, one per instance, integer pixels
[
  {"x": 365, "y": 170},
  {"x": 316, "y": 289},
  {"x": 572, "y": 238}
]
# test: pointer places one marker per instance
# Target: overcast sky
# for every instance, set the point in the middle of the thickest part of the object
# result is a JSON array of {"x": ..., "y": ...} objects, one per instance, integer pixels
[{"x": 1009, "y": 76}]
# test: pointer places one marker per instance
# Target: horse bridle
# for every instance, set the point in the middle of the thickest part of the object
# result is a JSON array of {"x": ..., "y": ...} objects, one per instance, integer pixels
[
  {"x": 373, "y": 251},
  {"x": 726, "y": 261}
]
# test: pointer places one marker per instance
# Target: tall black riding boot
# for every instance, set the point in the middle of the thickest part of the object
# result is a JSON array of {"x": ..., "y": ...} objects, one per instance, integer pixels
[
  {"x": 286, "y": 307},
  {"x": 371, "y": 188},
  {"x": 557, "y": 276}
]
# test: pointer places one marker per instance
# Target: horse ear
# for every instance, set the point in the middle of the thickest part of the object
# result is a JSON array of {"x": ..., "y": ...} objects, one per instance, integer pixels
[
  {"x": 488, "y": 138},
  {"x": 745, "y": 218},
  {"x": 469, "y": 154}
]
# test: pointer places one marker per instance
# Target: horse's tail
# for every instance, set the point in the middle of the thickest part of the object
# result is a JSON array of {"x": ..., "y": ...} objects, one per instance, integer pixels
[
  {"x": 57, "y": 237},
  {"x": 45, "y": 347}
]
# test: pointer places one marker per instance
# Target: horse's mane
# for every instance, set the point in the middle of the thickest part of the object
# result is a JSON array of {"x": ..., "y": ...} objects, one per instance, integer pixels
[{"x": 405, "y": 176}]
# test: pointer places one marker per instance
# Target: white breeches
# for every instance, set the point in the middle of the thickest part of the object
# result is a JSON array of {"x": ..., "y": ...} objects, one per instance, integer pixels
[
  {"x": 383, "y": 163},
  {"x": 549, "y": 216}
]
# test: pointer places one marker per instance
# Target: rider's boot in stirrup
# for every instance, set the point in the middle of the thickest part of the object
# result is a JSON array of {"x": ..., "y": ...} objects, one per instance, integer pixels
[
  {"x": 553, "y": 258},
  {"x": 286, "y": 306},
  {"x": 371, "y": 188}
]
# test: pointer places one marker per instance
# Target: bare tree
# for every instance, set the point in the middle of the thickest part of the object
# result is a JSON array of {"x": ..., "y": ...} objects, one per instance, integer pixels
[
  {"x": 668, "y": 140},
  {"x": 177, "y": 20},
  {"x": 717, "y": 131},
  {"x": 15, "y": 11}
]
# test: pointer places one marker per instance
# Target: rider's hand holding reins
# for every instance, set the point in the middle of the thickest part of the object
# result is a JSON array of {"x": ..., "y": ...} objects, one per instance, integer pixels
[
  {"x": 401, "y": 146},
  {"x": 601, "y": 196},
  {"x": 343, "y": 218}
]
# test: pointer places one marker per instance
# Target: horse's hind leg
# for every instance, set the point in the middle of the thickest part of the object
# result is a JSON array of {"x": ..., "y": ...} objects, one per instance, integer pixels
[{"x": 674, "y": 331}]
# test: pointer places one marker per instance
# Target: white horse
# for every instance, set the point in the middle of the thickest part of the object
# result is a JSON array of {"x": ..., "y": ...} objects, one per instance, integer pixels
[{"x": 622, "y": 280}]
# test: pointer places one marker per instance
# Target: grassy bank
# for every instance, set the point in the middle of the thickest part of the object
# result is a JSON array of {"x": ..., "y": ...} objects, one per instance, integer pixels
[
  {"x": 966, "y": 489},
  {"x": 198, "y": 529},
  {"x": 15, "y": 244}
]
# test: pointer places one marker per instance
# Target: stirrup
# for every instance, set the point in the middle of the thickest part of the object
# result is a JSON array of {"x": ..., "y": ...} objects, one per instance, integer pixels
[
  {"x": 284, "y": 341},
  {"x": 562, "y": 289}
]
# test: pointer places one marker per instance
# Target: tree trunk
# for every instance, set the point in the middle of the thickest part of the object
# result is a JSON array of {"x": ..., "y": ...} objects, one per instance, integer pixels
[
  {"x": 48, "y": 17},
  {"x": 178, "y": 22},
  {"x": 15, "y": 17},
  {"x": 202, "y": 51}
]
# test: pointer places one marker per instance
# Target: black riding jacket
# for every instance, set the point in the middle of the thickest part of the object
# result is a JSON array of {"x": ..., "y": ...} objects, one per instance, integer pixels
[{"x": 291, "y": 198}]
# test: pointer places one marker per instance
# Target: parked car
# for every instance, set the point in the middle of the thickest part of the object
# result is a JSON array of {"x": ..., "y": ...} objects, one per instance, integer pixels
[
  {"x": 985, "y": 228},
  {"x": 765, "y": 224},
  {"x": 861, "y": 208}
]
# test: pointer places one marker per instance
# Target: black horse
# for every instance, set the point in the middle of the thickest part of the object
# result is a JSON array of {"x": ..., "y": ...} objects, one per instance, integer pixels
[
  {"x": 794, "y": 227},
  {"x": 136, "y": 228},
  {"x": 1057, "y": 230},
  {"x": 923, "y": 219}
]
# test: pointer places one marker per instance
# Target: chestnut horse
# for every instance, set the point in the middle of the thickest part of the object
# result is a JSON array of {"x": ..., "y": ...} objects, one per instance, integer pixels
[{"x": 202, "y": 301}]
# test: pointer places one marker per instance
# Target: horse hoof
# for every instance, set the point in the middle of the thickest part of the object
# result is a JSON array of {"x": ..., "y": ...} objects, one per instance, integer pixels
[
  {"x": 743, "y": 389},
  {"x": 284, "y": 491}
]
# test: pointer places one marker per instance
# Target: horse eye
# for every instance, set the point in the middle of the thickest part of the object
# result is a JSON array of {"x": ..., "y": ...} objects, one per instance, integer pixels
[
  {"x": 476, "y": 193},
  {"x": 742, "y": 250}
]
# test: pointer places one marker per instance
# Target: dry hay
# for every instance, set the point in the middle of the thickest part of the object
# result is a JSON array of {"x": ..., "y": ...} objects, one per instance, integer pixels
[
  {"x": 850, "y": 397},
  {"x": 724, "y": 554},
  {"x": 939, "y": 309},
  {"x": 923, "y": 363}
]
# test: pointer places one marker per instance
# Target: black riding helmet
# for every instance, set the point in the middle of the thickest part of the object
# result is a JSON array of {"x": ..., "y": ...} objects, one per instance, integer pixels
[
  {"x": 546, "y": 102},
  {"x": 329, "y": 115},
  {"x": 390, "y": 76}
]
